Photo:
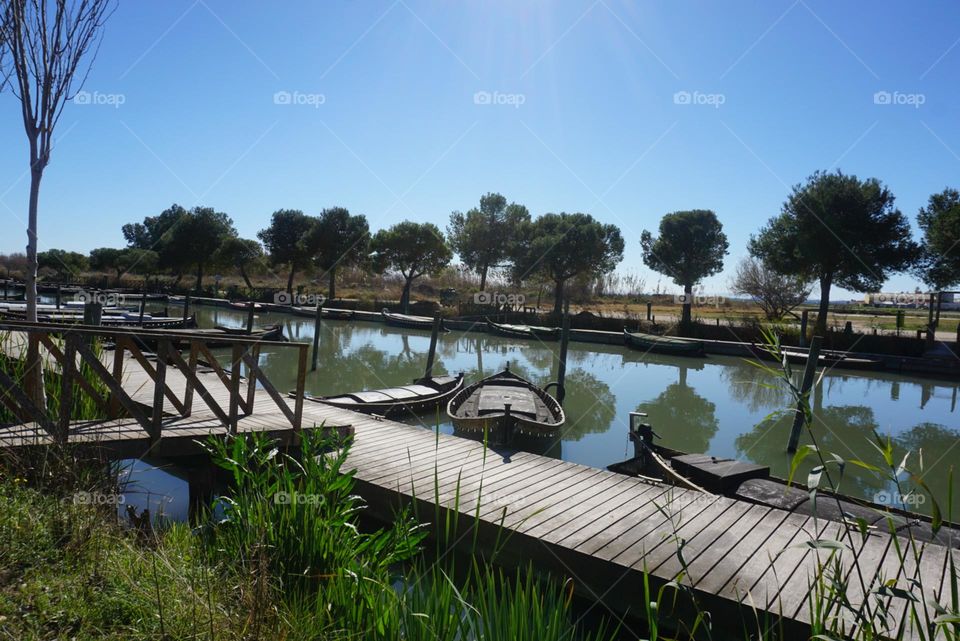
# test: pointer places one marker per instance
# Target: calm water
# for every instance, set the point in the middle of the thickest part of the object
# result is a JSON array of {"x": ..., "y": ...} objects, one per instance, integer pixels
[{"x": 718, "y": 405}]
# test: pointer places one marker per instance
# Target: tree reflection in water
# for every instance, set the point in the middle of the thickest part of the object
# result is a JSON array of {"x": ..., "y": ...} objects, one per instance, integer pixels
[{"x": 685, "y": 420}]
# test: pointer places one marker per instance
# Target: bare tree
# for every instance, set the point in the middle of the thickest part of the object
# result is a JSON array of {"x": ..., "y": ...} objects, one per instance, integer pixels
[
  {"x": 51, "y": 45},
  {"x": 776, "y": 294},
  {"x": 47, "y": 42}
]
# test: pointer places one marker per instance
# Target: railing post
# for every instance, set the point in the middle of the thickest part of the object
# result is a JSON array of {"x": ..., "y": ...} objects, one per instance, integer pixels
[
  {"x": 252, "y": 380},
  {"x": 120, "y": 344},
  {"x": 235, "y": 358},
  {"x": 158, "y": 388},
  {"x": 66, "y": 391},
  {"x": 301, "y": 385},
  {"x": 188, "y": 391}
]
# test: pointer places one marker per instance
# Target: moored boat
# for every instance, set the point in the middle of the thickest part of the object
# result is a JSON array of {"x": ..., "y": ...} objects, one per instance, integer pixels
[
  {"x": 408, "y": 321},
  {"x": 505, "y": 404},
  {"x": 423, "y": 395},
  {"x": 663, "y": 344},
  {"x": 831, "y": 358},
  {"x": 524, "y": 331},
  {"x": 325, "y": 312}
]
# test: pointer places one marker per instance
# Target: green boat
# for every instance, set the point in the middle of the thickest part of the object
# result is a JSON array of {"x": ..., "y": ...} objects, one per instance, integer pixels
[
  {"x": 663, "y": 344},
  {"x": 524, "y": 331}
]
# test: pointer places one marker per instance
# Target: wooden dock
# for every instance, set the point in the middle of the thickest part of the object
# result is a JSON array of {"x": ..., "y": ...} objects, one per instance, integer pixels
[{"x": 601, "y": 529}]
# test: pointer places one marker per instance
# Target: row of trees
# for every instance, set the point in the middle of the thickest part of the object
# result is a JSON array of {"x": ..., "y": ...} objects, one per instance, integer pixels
[{"x": 834, "y": 229}]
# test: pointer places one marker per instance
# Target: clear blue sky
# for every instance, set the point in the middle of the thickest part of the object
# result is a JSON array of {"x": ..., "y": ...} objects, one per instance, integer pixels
[{"x": 399, "y": 133}]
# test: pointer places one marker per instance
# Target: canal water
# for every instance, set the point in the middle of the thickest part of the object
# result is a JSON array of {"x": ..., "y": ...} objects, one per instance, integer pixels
[{"x": 719, "y": 405}]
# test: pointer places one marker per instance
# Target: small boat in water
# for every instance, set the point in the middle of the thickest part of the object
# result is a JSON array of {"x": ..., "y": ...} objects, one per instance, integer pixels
[
  {"x": 124, "y": 320},
  {"x": 268, "y": 333},
  {"x": 524, "y": 331},
  {"x": 408, "y": 321},
  {"x": 831, "y": 358},
  {"x": 325, "y": 312},
  {"x": 663, "y": 344},
  {"x": 503, "y": 405},
  {"x": 423, "y": 395}
]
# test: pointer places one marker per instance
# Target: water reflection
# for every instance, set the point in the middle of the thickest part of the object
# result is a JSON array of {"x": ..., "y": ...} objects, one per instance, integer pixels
[{"x": 716, "y": 405}]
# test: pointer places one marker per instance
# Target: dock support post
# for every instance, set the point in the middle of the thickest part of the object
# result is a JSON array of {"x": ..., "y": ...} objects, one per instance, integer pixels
[
  {"x": 186, "y": 308},
  {"x": 143, "y": 302},
  {"x": 58, "y": 296},
  {"x": 562, "y": 366},
  {"x": 804, "y": 319},
  {"x": 317, "y": 320},
  {"x": 92, "y": 313},
  {"x": 649, "y": 310},
  {"x": 808, "y": 373},
  {"x": 434, "y": 336},
  {"x": 250, "y": 307}
]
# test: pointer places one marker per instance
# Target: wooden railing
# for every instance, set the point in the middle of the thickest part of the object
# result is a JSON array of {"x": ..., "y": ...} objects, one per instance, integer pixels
[{"x": 75, "y": 360}]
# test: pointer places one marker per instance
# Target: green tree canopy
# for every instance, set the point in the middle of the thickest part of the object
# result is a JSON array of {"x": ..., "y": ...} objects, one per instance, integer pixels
[
  {"x": 283, "y": 240},
  {"x": 155, "y": 232},
  {"x": 690, "y": 247},
  {"x": 337, "y": 239},
  {"x": 195, "y": 239},
  {"x": 561, "y": 246},
  {"x": 481, "y": 236},
  {"x": 838, "y": 230},
  {"x": 239, "y": 253},
  {"x": 413, "y": 249},
  {"x": 107, "y": 259},
  {"x": 939, "y": 266},
  {"x": 67, "y": 264}
]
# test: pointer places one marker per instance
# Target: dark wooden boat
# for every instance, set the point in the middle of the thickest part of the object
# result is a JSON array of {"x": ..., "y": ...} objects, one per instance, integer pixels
[
  {"x": 503, "y": 405},
  {"x": 268, "y": 333},
  {"x": 325, "y": 312},
  {"x": 753, "y": 483},
  {"x": 524, "y": 331},
  {"x": 663, "y": 344},
  {"x": 110, "y": 320},
  {"x": 423, "y": 395},
  {"x": 244, "y": 306},
  {"x": 831, "y": 358},
  {"x": 409, "y": 322}
]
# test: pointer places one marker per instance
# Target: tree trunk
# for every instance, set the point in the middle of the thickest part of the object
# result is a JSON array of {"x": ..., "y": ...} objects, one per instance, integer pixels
[
  {"x": 820, "y": 329},
  {"x": 293, "y": 270},
  {"x": 483, "y": 277},
  {"x": 405, "y": 297},
  {"x": 34, "y": 364},
  {"x": 332, "y": 287},
  {"x": 558, "y": 298},
  {"x": 30, "y": 292},
  {"x": 685, "y": 319},
  {"x": 176, "y": 281},
  {"x": 199, "y": 277},
  {"x": 246, "y": 279}
]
